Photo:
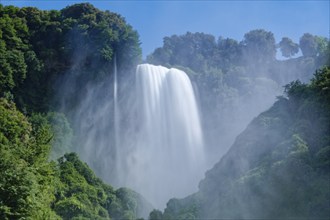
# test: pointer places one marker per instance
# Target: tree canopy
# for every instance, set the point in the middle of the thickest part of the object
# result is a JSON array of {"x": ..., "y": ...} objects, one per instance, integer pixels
[
  {"x": 39, "y": 48},
  {"x": 288, "y": 47}
]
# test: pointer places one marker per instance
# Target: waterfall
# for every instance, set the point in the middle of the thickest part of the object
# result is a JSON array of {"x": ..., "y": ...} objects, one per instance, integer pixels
[
  {"x": 167, "y": 158},
  {"x": 116, "y": 120},
  {"x": 147, "y": 138},
  {"x": 115, "y": 105},
  {"x": 115, "y": 102}
]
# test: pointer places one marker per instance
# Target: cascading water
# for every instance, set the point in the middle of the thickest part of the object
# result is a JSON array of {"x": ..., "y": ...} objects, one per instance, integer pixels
[
  {"x": 167, "y": 158},
  {"x": 116, "y": 118},
  {"x": 156, "y": 146}
]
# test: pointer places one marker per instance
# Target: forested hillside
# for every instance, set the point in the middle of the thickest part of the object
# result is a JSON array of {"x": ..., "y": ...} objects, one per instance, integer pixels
[
  {"x": 38, "y": 49},
  {"x": 278, "y": 167},
  {"x": 32, "y": 187}
]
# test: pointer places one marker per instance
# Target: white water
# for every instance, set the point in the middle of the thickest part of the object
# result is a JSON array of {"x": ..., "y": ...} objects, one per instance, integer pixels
[
  {"x": 148, "y": 138},
  {"x": 167, "y": 157},
  {"x": 116, "y": 117}
]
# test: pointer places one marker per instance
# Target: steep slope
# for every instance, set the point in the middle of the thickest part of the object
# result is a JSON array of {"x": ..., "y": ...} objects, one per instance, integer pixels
[
  {"x": 278, "y": 167},
  {"x": 80, "y": 194},
  {"x": 27, "y": 178},
  {"x": 31, "y": 187}
]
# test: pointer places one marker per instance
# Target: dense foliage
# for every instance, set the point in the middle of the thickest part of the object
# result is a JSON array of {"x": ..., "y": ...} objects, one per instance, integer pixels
[
  {"x": 27, "y": 178},
  {"x": 32, "y": 187},
  {"x": 220, "y": 66},
  {"x": 82, "y": 194},
  {"x": 256, "y": 54},
  {"x": 38, "y": 51},
  {"x": 279, "y": 166},
  {"x": 39, "y": 48},
  {"x": 237, "y": 80}
]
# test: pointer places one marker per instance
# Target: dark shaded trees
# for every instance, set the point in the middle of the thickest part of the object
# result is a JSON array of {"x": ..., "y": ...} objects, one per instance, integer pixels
[
  {"x": 308, "y": 45},
  {"x": 229, "y": 53},
  {"x": 259, "y": 46},
  {"x": 190, "y": 50},
  {"x": 155, "y": 215},
  {"x": 288, "y": 47}
]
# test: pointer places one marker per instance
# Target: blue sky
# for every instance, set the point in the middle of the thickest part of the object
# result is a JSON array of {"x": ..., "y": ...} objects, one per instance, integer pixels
[{"x": 156, "y": 19}]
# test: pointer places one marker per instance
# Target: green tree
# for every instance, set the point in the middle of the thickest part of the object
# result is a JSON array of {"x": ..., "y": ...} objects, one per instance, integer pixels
[
  {"x": 308, "y": 45},
  {"x": 193, "y": 50},
  {"x": 288, "y": 47},
  {"x": 155, "y": 215},
  {"x": 259, "y": 46},
  {"x": 229, "y": 53}
]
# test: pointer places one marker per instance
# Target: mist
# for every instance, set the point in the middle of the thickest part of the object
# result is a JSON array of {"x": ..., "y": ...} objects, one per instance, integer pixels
[{"x": 158, "y": 129}]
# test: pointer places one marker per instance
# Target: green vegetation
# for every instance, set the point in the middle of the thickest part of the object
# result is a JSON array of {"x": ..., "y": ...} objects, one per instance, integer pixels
[
  {"x": 225, "y": 66},
  {"x": 82, "y": 195},
  {"x": 234, "y": 79},
  {"x": 278, "y": 167},
  {"x": 32, "y": 187},
  {"x": 255, "y": 54},
  {"x": 38, "y": 49},
  {"x": 27, "y": 178}
]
